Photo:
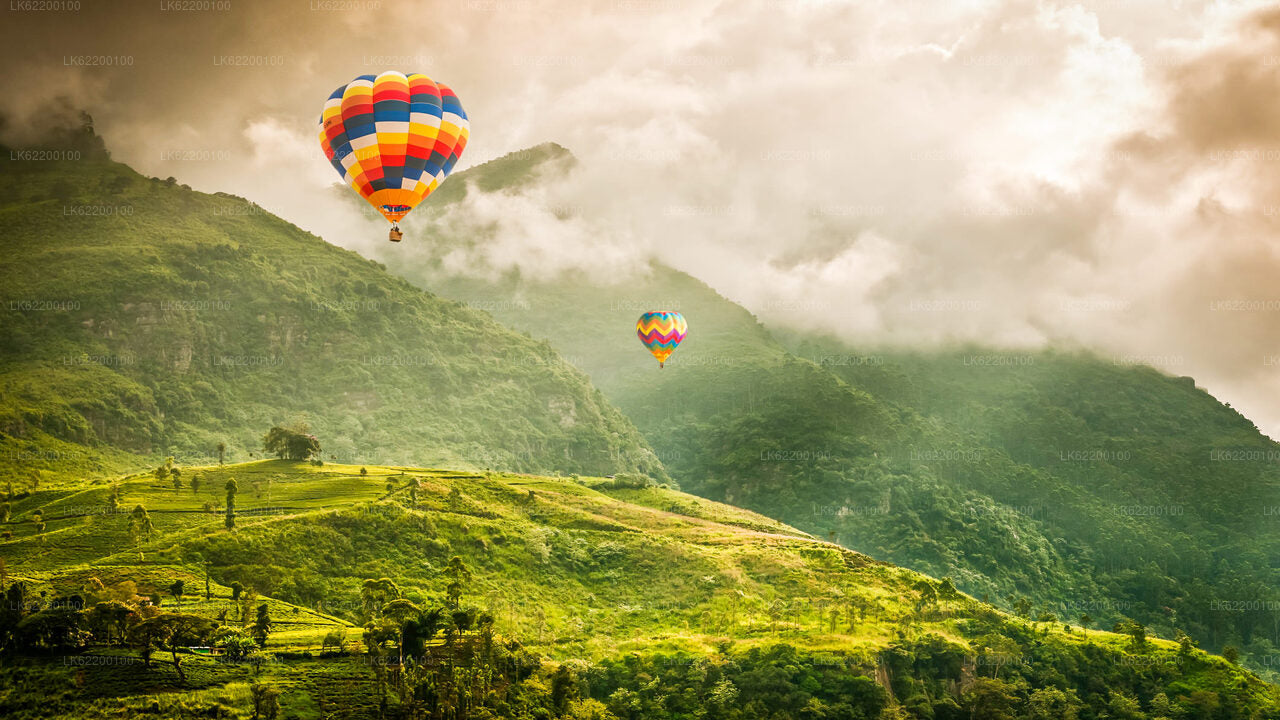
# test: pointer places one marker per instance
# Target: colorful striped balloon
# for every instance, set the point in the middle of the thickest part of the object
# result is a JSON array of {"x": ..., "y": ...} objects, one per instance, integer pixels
[
  {"x": 393, "y": 138},
  {"x": 661, "y": 331}
]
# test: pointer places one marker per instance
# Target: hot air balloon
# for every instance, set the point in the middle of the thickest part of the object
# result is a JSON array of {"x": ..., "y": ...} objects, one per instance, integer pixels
[
  {"x": 393, "y": 138},
  {"x": 661, "y": 331}
]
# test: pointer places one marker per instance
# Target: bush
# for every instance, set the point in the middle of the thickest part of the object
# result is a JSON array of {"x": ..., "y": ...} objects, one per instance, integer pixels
[{"x": 623, "y": 481}]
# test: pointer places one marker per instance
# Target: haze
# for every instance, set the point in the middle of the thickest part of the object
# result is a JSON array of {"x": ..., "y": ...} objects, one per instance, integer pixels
[{"x": 1015, "y": 174}]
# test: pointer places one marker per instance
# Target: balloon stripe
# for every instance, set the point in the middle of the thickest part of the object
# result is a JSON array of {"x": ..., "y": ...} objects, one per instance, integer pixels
[{"x": 393, "y": 138}]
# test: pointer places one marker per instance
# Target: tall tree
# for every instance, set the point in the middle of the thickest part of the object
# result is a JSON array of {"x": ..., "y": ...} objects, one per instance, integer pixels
[
  {"x": 262, "y": 626},
  {"x": 140, "y": 525},
  {"x": 222, "y": 451},
  {"x": 459, "y": 576},
  {"x": 231, "y": 488}
]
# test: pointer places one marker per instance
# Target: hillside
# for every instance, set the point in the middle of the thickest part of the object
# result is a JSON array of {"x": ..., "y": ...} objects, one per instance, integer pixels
[
  {"x": 141, "y": 318},
  {"x": 575, "y": 598},
  {"x": 1001, "y": 478}
]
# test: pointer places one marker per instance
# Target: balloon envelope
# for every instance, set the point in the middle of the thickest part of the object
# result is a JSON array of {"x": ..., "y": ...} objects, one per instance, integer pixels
[
  {"x": 661, "y": 331},
  {"x": 393, "y": 138}
]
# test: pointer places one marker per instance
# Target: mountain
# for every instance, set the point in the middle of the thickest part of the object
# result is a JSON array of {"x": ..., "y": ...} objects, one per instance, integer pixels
[
  {"x": 395, "y": 591},
  {"x": 1067, "y": 484},
  {"x": 143, "y": 319}
]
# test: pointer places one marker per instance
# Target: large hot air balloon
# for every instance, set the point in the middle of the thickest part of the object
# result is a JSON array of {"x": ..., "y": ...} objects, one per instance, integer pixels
[
  {"x": 393, "y": 138},
  {"x": 661, "y": 331}
]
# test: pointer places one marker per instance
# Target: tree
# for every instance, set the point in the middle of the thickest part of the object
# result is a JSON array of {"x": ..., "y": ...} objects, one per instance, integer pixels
[
  {"x": 1231, "y": 654},
  {"x": 204, "y": 564},
  {"x": 235, "y": 643},
  {"x": 401, "y": 612},
  {"x": 928, "y": 594},
  {"x": 111, "y": 618},
  {"x": 1085, "y": 621},
  {"x": 266, "y": 701},
  {"x": 231, "y": 488},
  {"x": 113, "y": 498},
  {"x": 564, "y": 688},
  {"x": 1022, "y": 607},
  {"x": 947, "y": 590},
  {"x": 459, "y": 576},
  {"x": 261, "y": 626},
  {"x": 222, "y": 451},
  {"x": 140, "y": 525},
  {"x": 176, "y": 591},
  {"x": 247, "y": 602},
  {"x": 1137, "y": 633},
  {"x": 990, "y": 699},
  {"x": 55, "y": 627},
  {"x": 171, "y": 632},
  {"x": 195, "y": 484},
  {"x": 335, "y": 638},
  {"x": 236, "y": 589},
  {"x": 1186, "y": 646},
  {"x": 364, "y": 472},
  {"x": 162, "y": 473},
  {"x": 374, "y": 594},
  {"x": 1051, "y": 704},
  {"x": 294, "y": 442}
]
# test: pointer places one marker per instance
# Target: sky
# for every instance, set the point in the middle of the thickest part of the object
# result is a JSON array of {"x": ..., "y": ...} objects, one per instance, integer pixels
[{"x": 912, "y": 172}]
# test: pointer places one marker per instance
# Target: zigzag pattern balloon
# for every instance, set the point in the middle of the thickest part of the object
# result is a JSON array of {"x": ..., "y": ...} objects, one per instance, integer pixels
[{"x": 661, "y": 331}]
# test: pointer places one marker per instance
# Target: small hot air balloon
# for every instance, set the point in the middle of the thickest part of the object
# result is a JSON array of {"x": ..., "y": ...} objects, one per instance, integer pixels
[
  {"x": 661, "y": 331},
  {"x": 393, "y": 138}
]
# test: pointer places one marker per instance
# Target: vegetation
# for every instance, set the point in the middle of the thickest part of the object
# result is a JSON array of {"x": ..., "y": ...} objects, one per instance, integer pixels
[
  {"x": 182, "y": 324},
  {"x": 291, "y": 443},
  {"x": 584, "y": 601},
  {"x": 1065, "y": 481}
]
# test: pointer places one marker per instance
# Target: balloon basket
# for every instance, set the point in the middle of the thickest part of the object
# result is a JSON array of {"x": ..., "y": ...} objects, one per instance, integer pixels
[{"x": 395, "y": 235}]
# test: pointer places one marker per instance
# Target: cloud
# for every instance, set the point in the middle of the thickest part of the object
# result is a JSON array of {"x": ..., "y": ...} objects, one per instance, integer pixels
[{"x": 1016, "y": 172}]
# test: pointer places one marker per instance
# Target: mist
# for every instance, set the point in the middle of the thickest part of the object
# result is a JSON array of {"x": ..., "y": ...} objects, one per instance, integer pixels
[{"x": 1017, "y": 174}]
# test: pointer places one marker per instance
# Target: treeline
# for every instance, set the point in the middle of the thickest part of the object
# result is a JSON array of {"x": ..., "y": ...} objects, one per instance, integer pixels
[{"x": 119, "y": 617}]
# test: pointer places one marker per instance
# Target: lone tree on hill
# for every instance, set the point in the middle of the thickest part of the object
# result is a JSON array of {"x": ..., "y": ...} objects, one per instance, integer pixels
[
  {"x": 222, "y": 451},
  {"x": 294, "y": 442},
  {"x": 262, "y": 625},
  {"x": 140, "y": 525},
  {"x": 459, "y": 576},
  {"x": 231, "y": 488}
]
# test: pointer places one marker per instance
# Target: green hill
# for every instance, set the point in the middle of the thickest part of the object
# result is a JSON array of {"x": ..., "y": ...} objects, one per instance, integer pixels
[
  {"x": 1085, "y": 487},
  {"x": 141, "y": 318},
  {"x": 585, "y": 598}
]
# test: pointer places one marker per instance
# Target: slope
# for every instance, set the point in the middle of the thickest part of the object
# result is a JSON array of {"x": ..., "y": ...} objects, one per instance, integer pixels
[
  {"x": 921, "y": 463},
  {"x": 636, "y": 602},
  {"x": 143, "y": 318}
]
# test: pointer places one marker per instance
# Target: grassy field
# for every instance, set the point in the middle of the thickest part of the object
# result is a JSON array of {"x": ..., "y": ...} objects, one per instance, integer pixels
[{"x": 574, "y": 569}]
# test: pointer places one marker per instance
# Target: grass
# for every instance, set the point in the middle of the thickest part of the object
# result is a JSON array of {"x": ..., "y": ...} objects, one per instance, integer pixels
[{"x": 573, "y": 568}]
